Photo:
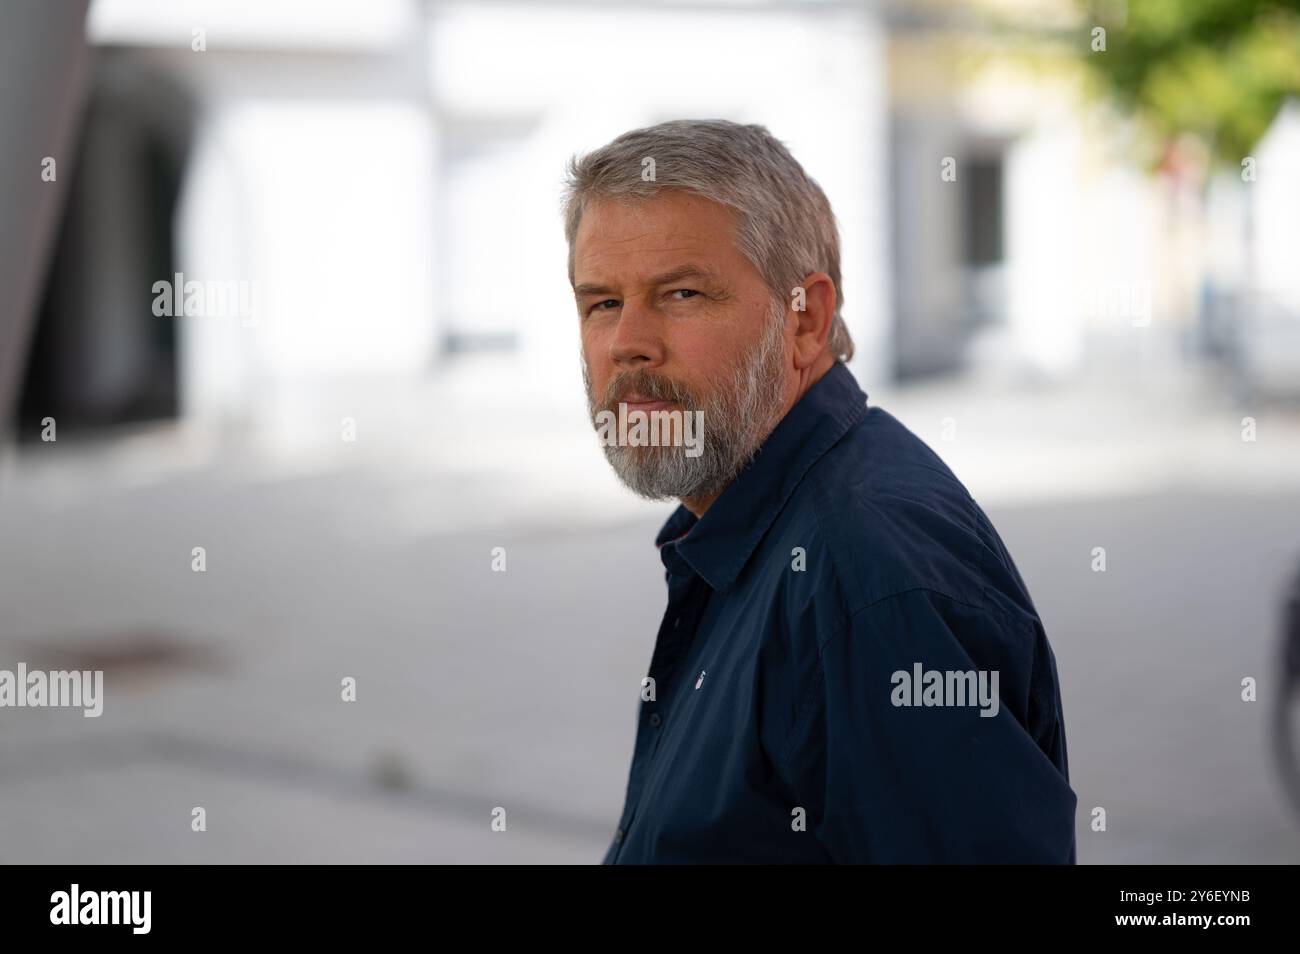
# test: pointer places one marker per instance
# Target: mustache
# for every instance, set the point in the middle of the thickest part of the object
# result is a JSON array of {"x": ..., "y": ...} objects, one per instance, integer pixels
[{"x": 649, "y": 385}]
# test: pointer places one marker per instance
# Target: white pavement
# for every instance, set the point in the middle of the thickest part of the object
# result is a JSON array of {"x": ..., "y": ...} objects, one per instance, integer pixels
[{"x": 517, "y": 690}]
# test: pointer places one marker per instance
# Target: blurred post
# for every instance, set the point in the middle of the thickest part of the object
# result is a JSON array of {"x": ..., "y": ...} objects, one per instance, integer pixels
[{"x": 43, "y": 67}]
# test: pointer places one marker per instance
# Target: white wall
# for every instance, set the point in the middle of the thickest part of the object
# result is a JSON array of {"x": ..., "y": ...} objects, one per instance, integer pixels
[
  {"x": 815, "y": 79},
  {"x": 318, "y": 174}
]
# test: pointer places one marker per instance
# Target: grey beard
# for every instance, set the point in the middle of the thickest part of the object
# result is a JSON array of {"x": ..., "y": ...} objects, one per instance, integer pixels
[{"x": 738, "y": 416}]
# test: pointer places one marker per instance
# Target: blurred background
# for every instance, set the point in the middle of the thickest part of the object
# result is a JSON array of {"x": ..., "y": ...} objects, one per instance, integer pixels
[{"x": 1069, "y": 235}]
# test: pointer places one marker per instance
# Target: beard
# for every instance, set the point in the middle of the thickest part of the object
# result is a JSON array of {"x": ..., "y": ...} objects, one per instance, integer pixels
[{"x": 737, "y": 417}]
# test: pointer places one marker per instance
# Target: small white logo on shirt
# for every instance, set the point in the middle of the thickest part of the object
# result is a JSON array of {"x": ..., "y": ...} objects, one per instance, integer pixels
[{"x": 700, "y": 681}]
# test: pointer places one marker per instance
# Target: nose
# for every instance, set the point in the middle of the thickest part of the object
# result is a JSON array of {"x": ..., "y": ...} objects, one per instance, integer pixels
[{"x": 638, "y": 337}]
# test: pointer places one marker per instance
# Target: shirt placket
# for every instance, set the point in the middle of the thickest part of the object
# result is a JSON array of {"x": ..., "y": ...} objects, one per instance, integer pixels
[{"x": 687, "y": 596}]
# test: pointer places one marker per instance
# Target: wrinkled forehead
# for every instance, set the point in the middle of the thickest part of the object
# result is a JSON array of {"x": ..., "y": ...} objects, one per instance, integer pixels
[{"x": 628, "y": 240}]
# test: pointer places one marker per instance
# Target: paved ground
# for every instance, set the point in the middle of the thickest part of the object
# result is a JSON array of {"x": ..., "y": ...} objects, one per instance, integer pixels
[{"x": 517, "y": 690}]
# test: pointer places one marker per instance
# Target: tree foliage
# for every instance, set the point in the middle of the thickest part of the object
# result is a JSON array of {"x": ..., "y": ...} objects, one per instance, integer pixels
[{"x": 1218, "y": 70}]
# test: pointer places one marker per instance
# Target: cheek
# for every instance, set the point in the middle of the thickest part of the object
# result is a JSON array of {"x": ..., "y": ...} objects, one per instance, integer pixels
[
  {"x": 594, "y": 350},
  {"x": 711, "y": 351},
  {"x": 595, "y": 358}
]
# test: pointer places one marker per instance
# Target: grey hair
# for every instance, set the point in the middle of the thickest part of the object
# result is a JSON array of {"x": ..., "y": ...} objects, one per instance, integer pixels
[{"x": 785, "y": 224}]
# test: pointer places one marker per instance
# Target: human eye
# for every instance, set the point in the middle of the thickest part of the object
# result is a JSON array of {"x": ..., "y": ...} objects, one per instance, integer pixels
[{"x": 688, "y": 292}]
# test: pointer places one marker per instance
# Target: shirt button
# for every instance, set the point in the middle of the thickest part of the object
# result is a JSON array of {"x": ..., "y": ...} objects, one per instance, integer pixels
[
  {"x": 655, "y": 719},
  {"x": 618, "y": 836}
]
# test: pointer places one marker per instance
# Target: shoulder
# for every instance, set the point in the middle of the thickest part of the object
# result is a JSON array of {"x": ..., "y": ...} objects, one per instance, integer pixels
[{"x": 887, "y": 520}]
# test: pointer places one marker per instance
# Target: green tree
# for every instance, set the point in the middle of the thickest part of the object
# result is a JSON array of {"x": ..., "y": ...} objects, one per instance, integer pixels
[{"x": 1218, "y": 70}]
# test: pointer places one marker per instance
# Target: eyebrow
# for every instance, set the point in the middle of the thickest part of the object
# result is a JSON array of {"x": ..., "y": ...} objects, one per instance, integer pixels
[{"x": 675, "y": 275}]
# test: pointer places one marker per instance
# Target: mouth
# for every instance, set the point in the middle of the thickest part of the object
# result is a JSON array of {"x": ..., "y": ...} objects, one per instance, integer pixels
[{"x": 639, "y": 402}]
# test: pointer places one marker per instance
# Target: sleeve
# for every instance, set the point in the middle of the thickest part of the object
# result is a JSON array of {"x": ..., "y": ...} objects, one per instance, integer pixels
[{"x": 931, "y": 732}]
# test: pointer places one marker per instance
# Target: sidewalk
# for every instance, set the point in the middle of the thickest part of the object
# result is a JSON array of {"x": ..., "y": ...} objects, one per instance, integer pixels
[{"x": 479, "y": 690}]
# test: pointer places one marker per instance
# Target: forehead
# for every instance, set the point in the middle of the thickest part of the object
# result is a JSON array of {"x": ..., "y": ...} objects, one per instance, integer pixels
[{"x": 625, "y": 239}]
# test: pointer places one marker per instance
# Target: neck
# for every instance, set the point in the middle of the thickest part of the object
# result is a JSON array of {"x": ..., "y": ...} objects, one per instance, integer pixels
[{"x": 697, "y": 505}]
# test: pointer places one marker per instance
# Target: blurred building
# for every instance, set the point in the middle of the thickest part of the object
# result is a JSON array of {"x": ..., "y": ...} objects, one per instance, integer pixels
[
  {"x": 374, "y": 190},
  {"x": 383, "y": 181}
]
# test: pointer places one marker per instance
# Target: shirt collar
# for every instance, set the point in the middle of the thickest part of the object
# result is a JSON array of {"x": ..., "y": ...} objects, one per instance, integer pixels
[{"x": 718, "y": 545}]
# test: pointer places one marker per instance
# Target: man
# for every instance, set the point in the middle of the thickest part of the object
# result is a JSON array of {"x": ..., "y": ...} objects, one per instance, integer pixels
[{"x": 849, "y": 668}]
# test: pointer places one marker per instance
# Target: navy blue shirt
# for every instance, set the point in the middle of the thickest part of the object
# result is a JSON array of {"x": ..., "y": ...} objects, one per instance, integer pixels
[{"x": 814, "y": 695}]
